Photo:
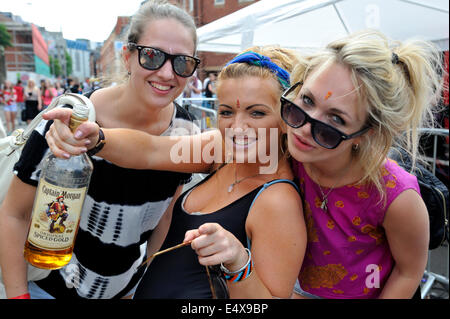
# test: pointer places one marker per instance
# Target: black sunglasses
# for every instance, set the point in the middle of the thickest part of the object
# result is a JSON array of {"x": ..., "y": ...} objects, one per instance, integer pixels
[
  {"x": 153, "y": 59},
  {"x": 324, "y": 134}
]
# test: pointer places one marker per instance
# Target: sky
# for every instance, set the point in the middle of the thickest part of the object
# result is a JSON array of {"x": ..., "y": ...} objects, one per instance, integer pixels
[{"x": 84, "y": 19}]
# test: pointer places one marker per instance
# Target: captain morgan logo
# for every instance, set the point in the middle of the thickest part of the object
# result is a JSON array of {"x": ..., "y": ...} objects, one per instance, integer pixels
[{"x": 55, "y": 218}]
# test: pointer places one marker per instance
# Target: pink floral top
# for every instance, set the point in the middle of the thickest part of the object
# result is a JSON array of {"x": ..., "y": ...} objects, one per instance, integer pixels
[{"x": 347, "y": 254}]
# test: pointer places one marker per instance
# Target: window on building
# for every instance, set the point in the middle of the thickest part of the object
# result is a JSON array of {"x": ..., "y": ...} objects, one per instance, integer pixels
[
  {"x": 219, "y": 2},
  {"x": 191, "y": 5},
  {"x": 246, "y": 1}
]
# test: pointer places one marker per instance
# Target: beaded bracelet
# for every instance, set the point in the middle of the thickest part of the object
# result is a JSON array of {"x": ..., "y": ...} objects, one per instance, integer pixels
[{"x": 243, "y": 273}]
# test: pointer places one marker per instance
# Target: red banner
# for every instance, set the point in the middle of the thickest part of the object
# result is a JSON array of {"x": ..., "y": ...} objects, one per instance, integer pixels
[{"x": 39, "y": 45}]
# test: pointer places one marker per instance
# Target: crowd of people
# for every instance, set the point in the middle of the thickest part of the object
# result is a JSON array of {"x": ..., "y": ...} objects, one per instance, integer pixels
[
  {"x": 22, "y": 101},
  {"x": 331, "y": 216}
]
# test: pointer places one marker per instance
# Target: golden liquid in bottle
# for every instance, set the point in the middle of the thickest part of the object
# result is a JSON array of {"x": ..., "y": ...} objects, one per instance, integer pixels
[
  {"x": 72, "y": 182},
  {"x": 47, "y": 259}
]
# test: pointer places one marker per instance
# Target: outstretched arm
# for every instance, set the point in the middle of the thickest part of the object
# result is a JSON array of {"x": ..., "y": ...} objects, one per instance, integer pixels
[{"x": 133, "y": 148}]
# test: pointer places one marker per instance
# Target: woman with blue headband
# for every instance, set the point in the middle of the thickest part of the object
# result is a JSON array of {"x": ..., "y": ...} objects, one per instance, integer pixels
[{"x": 246, "y": 216}]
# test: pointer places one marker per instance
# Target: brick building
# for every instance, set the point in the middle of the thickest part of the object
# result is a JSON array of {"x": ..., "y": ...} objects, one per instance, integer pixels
[
  {"x": 108, "y": 62},
  {"x": 28, "y": 56},
  {"x": 206, "y": 11},
  {"x": 203, "y": 12}
]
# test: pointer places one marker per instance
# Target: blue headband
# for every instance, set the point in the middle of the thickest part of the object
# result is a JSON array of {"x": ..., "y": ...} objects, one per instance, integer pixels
[{"x": 254, "y": 58}]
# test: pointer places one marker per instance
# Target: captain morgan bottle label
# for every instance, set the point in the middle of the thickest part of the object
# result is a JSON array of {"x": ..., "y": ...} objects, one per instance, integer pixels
[{"x": 56, "y": 213}]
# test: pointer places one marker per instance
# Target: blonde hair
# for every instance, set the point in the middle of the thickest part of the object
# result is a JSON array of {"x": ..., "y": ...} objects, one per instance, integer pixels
[
  {"x": 150, "y": 11},
  {"x": 399, "y": 84},
  {"x": 284, "y": 58},
  {"x": 159, "y": 9}
]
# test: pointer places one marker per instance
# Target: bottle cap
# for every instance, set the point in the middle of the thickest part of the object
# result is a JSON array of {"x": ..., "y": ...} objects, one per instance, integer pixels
[{"x": 81, "y": 110}]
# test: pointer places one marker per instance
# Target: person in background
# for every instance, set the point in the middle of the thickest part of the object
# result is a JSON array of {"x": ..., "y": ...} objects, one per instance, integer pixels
[
  {"x": 195, "y": 87},
  {"x": 48, "y": 92},
  {"x": 240, "y": 215},
  {"x": 126, "y": 212},
  {"x": 33, "y": 101},
  {"x": 59, "y": 88},
  {"x": 9, "y": 97},
  {"x": 75, "y": 86},
  {"x": 210, "y": 89},
  {"x": 20, "y": 98},
  {"x": 367, "y": 224}
]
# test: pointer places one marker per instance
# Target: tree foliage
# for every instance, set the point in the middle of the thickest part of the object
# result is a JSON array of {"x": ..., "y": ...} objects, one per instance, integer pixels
[
  {"x": 5, "y": 37},
  {"x": 69, "y": 64},
  {"x": 55, "y": 67}
]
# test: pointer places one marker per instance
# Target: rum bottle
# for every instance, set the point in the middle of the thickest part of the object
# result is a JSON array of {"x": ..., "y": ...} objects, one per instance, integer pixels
[{"x": 58, "y": 204}]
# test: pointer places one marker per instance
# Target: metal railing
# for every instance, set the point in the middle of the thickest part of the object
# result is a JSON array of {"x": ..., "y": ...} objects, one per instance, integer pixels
[
  {"x": 204, "y": 110},
  {"x": 436, "y": 132},
  {"x": 430, "y": 278}
]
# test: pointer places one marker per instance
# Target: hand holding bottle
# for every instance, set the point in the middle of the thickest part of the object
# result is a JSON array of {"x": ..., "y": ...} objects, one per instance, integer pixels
[
  {"x": 60, "y": 195},
  {"x": 62, "y": 141}
]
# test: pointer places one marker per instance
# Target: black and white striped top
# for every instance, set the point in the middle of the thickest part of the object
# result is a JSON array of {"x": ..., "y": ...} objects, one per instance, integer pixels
[{"x": 122, "y": 208}]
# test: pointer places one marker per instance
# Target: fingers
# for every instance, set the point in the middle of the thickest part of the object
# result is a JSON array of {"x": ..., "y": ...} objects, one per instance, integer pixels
[
  {"x": 209, "y": 228},
  {"x": 62, "y": 114},
  {"x": 202, "y": 230},
  {"x": 191, "y": 235},
  {"x": 88, "y": 130},
  {"x": 213, "y": 244},
  {"x": 62, "y": 142}
]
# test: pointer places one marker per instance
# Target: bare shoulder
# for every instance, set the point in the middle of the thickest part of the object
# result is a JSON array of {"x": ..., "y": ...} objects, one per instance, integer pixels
[
  {"x": 277, "y": 210},
  {"x": 408, "y": 208},
  {"x": 103, "y": 96},
  {"x": 278, "y": 198},
  {"x": 106, "y": 102}
]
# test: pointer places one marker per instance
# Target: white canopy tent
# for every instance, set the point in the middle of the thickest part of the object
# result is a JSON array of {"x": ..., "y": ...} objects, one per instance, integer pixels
[{"x": 309, "y": 24}]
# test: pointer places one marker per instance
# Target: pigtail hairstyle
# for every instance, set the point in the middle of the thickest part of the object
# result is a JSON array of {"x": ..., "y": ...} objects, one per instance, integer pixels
[{"x": 398, "y": 83}]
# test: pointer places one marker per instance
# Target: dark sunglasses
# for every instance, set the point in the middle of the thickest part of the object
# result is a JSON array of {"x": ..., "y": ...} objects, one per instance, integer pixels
[
  {"x": 153, "y": 59},
  {"x": 324, "y": 134}
]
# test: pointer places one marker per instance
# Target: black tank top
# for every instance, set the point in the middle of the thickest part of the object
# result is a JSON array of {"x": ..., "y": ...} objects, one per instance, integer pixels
[{"x": 178, "y": 274}]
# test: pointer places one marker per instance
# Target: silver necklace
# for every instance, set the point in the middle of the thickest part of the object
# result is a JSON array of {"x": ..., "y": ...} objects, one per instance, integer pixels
[
  {"x": 324, "y": 204},
  {"x": 236, "y": 181}
]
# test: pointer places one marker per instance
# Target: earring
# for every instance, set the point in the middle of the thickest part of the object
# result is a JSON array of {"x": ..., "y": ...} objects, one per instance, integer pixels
[
  {"x": 129, "y": 73},
  {"x": 355, "y": 147}
]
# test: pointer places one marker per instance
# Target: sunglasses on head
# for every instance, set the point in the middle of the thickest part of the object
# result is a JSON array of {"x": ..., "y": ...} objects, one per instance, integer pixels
[
  {"x": 153, "y": 59},
  {"x": 324, "y": 134}
]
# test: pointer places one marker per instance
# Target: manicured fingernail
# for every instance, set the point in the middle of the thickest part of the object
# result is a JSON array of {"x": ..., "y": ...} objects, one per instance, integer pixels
[
  {"x": 66, "y": 155},
  {"x": 78, "y": 134},
  {"x": 87, "y": 142}
]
